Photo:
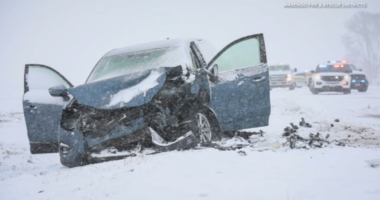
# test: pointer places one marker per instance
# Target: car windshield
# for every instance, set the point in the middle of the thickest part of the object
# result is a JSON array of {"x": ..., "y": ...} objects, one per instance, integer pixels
[
  {"x": 279, "y": 68},
  {"x": 300, "y": 74},
  {"x": 121, "y": 64},
  {"x": 352, "y": 67},
  {"x": 333, "y": 68}
]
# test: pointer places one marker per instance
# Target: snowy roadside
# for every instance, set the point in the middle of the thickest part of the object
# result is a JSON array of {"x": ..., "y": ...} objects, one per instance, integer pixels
[{"x": 332, "y": 172}]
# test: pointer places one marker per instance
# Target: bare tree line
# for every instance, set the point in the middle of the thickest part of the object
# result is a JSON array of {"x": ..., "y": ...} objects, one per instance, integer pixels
[{"x": 362, "y": 42}]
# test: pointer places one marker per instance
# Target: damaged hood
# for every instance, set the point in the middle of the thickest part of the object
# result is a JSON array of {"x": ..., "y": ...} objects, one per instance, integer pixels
[{"x": 129, "y": 90}]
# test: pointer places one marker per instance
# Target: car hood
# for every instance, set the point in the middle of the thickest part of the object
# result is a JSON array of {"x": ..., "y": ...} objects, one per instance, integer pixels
[
  {"x": 332, "y": 74},
  {"x": 279, "y": 72},
  {"x": 129, "y": 90},
  {"x": 358, "y": 72}
]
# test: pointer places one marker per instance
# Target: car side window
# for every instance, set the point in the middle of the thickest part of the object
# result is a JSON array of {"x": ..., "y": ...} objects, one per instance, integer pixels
[
  {"x": 240, "y": 55},
  {"x": 40, "y": 78}
]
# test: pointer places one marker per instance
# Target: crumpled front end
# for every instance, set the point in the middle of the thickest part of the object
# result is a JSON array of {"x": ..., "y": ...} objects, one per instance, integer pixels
[{"x": 93, "y": 123}]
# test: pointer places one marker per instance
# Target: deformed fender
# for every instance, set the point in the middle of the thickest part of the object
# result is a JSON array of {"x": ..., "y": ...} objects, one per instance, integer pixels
[{"x": 72, "y": 148}]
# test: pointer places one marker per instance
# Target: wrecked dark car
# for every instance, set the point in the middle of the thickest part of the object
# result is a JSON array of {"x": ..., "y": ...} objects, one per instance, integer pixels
[{"x": 165, "y": 95}]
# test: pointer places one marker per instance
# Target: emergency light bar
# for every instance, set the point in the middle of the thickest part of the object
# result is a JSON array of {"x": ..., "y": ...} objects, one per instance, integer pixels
[{"x": 337, "y": 61}]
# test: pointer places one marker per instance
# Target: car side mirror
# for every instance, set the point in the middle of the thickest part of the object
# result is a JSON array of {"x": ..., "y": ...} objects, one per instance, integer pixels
[
  {"x": 59, "y": 91},
  {"x": 295, "y": 69}
]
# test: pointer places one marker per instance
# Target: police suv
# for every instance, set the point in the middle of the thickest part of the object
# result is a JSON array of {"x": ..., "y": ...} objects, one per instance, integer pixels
[
  {"x": 282, "y": 75},
  {"x": 358, "y": 81},
  {"x": 331, "y": 77}
]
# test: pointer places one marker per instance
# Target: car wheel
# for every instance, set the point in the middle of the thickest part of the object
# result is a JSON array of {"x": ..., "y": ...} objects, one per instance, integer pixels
[
  {"x": 292, "y": 86},
  {"x": 348, "y": 91},
  {"x": 313, "y": 89},
  {"x": 205, "y": 127}
]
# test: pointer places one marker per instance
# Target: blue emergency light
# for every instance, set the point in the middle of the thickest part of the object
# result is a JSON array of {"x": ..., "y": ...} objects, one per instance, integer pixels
[{"x": 337, "y": 61}]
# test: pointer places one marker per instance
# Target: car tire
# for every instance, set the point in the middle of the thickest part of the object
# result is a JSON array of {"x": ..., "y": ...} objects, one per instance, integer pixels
[
  {"x": 292, "y": 86},
  {"x": 348, "y": 91},
  {"x": 205, "y": 127},
  {"x": 309, "y": 86},
  {"x": 313, "y": 89}
]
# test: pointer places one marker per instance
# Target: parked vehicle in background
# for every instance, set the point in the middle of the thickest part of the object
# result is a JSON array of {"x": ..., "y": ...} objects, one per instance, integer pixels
[
  {"x": 359, "y": 80},
  {"x": 282, "y": 76},
  {"x": 308, "y": 77},
  {"x": 300, "y": 79},
  {"x": 331, "y": 78},
  {"x": 166, "y": 95}
]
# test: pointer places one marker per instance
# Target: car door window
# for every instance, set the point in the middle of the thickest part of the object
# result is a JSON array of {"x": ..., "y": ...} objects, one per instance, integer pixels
[
  {"x": 40, "y": 78},
  {"x": 240, "y": 55}
]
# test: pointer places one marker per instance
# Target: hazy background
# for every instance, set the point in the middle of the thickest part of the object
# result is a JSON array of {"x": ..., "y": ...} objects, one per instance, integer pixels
[{"x": 71, "y": 36}]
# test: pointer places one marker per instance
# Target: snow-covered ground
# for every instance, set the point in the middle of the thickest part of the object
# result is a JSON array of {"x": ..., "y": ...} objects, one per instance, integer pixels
[{"x": 332, "y": 172}]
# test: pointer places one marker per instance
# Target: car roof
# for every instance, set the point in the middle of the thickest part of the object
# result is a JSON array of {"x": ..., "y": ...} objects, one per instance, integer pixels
[
  {"x": 185, "y": 42},
  {"x": 338, "y": 63}
]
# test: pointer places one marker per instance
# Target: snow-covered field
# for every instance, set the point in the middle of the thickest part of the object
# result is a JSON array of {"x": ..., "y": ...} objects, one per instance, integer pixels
[{"x": 331, "y": 172}]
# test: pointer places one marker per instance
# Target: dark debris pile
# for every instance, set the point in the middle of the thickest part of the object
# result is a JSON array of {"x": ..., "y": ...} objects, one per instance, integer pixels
[{"x": 313, "y": 141}]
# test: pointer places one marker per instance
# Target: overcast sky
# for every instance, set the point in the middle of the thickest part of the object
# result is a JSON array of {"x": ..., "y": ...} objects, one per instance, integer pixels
[{"x": 71, "y": 36}]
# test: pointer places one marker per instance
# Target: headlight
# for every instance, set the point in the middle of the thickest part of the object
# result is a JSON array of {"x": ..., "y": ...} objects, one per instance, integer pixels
[
  {"x": 317, "y": 77},
  {"x": 289, "y": 77}
]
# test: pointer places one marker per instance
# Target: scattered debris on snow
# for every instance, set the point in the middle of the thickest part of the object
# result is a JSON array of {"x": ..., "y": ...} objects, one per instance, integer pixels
[{"x": 373, "y": 163}]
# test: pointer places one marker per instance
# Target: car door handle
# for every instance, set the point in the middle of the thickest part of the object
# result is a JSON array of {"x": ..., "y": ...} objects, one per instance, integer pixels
[
  {"x": 32, "y": 107},
  {"x": 258, "y": 79}
]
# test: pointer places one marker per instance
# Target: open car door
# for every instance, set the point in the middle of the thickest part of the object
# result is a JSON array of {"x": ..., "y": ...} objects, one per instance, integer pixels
[
  {"x": 239, "y": 95},
  {"x": 41, "y": 110}
]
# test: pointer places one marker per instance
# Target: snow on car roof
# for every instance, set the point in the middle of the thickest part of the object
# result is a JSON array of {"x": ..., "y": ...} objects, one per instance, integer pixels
[{"x": 151, "y": 45}]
